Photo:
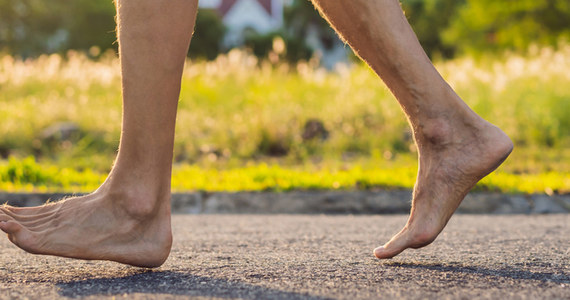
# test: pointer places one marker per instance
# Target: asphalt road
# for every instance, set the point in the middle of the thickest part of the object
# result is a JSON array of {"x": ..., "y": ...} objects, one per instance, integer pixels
[{"x": 317, "y": 257}]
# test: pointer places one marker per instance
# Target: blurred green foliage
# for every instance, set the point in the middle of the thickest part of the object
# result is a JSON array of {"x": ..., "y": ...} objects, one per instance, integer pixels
[
  {"x": 512, "y": 24},
  {"x": 230, "y": 133},
  {"x": 262, "y": 45},
  {"x": 238, "y": 108},
  {"x": 208, "y": 33},
  {"x": 32, "y": 27},
  {"x": 429, "y": 18},
  {"x": 444, "y": 27},
  {"x": 28, "y": 175}
]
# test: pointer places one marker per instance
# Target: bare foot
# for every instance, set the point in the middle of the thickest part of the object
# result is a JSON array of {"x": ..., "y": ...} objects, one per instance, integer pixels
[
  {"x": 99, "y": 226},
  {"x": 453, "y": 157}
]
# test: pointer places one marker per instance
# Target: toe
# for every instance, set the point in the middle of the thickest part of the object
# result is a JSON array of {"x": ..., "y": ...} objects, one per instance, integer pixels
[
  {"x": 380, "y": 252},
  {"x": 10, "y": 227},
  {"x": 407, "y": 238},
  {"x": 388, "y": 251},
  {"x": 19, "y": 236},
  {"x": 394, "y": 247},
  {"x": 4, "y": 219}
]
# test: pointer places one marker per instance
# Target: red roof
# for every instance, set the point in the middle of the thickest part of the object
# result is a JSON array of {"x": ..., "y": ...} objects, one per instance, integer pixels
[{"x": 227, "y": 5}]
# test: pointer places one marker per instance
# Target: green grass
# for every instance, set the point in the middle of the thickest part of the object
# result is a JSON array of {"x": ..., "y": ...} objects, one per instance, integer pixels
[
  {"x": 240, "y": 123},
  {"x": 27, "y": 175}
]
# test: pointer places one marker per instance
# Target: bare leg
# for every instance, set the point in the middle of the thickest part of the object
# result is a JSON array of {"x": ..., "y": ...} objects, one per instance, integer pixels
[
  {"x": 128, "y": 218},
  {"x": 456, "y": 147}
]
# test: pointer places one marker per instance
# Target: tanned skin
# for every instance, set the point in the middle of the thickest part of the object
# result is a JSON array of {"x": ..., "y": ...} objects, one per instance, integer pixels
[{"x": 127, "y": 219}]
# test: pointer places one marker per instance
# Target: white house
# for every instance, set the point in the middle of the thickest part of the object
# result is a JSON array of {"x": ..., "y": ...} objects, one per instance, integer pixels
[
  {"x": 264, "y": 16},
  {"x": 241, "y": 16}
]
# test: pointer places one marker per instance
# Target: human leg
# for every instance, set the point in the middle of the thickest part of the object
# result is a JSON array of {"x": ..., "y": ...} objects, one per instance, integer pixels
[
  {"x": 456, "y": 147},
  {"x": 128, "y": 218}
]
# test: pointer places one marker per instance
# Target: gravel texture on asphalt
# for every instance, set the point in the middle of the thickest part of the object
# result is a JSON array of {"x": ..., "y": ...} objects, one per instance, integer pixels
[{"x": 317, "y": 257}]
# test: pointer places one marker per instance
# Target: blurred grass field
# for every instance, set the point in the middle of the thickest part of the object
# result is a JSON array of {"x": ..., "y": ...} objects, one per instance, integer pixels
[{"x": 242, "y": 123}]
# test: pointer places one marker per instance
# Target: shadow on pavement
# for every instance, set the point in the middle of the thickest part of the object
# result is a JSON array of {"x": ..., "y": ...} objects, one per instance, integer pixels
[
  {"x": 509, "y": 272},
  {"x": 173, "y": 283}
]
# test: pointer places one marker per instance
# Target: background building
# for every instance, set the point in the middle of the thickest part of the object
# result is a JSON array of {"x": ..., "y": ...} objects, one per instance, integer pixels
[
  {"x": 243, "y": 17},
  {"x": 249, "y": 18}
]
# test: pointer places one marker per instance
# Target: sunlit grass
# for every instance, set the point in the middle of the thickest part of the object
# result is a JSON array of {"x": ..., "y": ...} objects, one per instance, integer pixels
[
  {"x": 240, "y": 123},
  {"x": 27, "y": 175}
]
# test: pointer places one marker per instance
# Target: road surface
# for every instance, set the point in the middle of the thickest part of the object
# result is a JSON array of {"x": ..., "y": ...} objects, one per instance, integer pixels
[{"x": 317, "y": 257}]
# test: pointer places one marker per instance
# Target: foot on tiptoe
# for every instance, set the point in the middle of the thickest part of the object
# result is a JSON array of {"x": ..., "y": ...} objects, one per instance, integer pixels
[{"x": 453, "y": 157}]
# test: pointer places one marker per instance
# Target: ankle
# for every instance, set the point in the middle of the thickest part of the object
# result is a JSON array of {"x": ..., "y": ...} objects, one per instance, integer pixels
[
  {"x": 449, "y": 126},
  {"x": 137, "y": 201},
  {"x": 141, "y": 205},
  {"x": 434, "y": 132}
]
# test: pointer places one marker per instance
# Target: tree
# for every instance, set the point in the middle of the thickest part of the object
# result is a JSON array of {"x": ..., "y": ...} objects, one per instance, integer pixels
[
  {"x": 208, "y": 35},
  {"x": 511, "y": 24},
  {"x": 299, "y": 16},
  {"x": 33, "y": 27},
  {"x": 429, "y": 18}
]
